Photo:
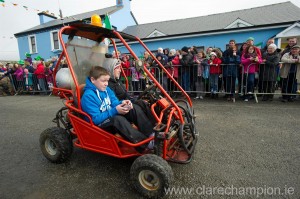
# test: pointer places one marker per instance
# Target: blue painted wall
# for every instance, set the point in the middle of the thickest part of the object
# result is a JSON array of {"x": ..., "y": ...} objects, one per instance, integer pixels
[
  {"x": 43, "y": 39},
  {"x": 43, "y": 42},
  {"x": 212, "y": 40}
]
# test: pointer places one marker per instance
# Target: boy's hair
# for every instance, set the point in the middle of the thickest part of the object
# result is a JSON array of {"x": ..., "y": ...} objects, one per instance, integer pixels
[{"x": 97, "y": 71}]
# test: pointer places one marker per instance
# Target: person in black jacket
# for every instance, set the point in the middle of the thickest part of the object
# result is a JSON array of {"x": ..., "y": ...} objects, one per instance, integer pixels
[
  {"x": 186, "y": 61},
  {"x": 267, "y": 72},
  {"x": 121, "y": 93}
]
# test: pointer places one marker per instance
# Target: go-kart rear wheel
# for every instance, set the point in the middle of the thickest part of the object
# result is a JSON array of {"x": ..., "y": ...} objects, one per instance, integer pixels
[
  {"x": 56, "y": 144},
  {"x": 151, "y": 175}
]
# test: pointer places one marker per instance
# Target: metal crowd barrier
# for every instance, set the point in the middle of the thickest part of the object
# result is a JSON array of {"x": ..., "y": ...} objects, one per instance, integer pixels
[
  {"x": 30, "y": 84},
  {"x": 264, "y": 82}
]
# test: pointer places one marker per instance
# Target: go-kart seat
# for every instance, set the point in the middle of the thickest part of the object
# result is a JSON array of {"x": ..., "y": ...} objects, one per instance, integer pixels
[{"x": 81, "y": 91}]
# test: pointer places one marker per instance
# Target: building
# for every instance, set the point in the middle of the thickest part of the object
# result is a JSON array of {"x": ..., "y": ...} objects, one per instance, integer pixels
[
  {"x": 278, "y": 21},
  {"x": 43, "y": 39}
]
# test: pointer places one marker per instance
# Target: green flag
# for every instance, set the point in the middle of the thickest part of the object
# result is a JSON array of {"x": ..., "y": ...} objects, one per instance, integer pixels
[
  {"x": 2, "y": 1},
  {"x": 107, "y": 23}
]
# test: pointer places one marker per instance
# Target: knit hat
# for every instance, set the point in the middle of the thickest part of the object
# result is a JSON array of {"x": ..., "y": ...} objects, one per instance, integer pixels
[
  {"x": 250, "y": 38},
  {"x": 273, "y": 46},
  {"x": 295, "y": 46},
  {"x": 110, "y": 64},
  {"x": 185, "y": 49},
  {"x": 213, "y": 54},
  {"x": 21, "y": 62},
  {"x": 38, "y": 58}
]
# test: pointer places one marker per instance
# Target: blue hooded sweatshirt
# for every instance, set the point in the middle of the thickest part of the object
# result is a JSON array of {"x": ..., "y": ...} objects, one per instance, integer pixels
[{"x": 100, "y": 105}]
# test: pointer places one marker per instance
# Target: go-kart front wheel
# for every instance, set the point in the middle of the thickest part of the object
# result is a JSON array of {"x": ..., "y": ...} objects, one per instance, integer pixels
[
  {"x": 151, "y": 175},
  {"x": 56, "y": 144}
]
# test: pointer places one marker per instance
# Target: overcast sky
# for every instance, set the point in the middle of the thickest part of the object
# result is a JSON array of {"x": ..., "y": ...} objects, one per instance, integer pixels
[{"x": 15, "y": 19}]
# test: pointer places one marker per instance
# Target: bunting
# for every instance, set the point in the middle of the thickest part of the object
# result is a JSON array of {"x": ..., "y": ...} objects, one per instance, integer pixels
[{"x": 5, "y": 4}]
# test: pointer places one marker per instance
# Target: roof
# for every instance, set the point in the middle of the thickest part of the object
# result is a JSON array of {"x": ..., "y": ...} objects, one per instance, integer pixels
[
  {"x": 71, "y": 19},
  {"x": 264, "y": 15}
]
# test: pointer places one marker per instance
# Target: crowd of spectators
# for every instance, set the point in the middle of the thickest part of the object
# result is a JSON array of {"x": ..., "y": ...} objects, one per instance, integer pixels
[
  {"x": 27, "y": 75},
  {"x": 200, "y": 73},
  {"x": 236, "y": 70}
]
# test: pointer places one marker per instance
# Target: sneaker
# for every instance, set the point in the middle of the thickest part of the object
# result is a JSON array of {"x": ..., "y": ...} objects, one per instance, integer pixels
[
  {"x": 284, "y": 100},
  {"x": 249, "y": 93},
  {"x": 233, "y": 99},
  {"x": 151, "y": 143},
  {"x": 201, "y": 97},
  {"x": 246, "y": 100},
  {"x": 197, "y": 98}
]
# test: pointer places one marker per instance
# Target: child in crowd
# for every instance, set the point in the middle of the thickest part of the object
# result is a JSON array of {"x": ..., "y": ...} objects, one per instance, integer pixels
[
  {"x": 135, "y": 78},
  {"x": 201, "y": 72},
  {"x": 250, "y": 61},
  {"x": 48, "y": 74},
  {"x": 215, "y": 71},
  {"x": 19, "y": 75}
]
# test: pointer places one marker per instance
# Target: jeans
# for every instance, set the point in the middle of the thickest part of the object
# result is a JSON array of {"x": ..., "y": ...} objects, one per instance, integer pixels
[{"x": 214, "y": 79}]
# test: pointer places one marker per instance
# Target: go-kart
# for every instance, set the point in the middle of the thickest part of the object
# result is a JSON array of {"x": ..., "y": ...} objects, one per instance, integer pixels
[{"x": 175, "y": 130}]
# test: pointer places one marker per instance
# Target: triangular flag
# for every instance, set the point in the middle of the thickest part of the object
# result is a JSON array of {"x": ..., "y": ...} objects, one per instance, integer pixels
[
  {"x": 25, "y": 7},
  {"x": 2, "y": 1},
  {"x": 259, "y": 45},
  {"x": 3, "y": 5},
  {"x": 14, "y": 4},
  {"x": 106, "y": 23}
]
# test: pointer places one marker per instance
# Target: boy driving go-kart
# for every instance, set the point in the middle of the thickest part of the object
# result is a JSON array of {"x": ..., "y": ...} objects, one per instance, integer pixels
[{"x": 89, "y": 104}]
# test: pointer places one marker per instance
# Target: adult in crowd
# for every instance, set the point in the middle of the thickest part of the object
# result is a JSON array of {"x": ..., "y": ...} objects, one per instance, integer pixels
[
  {"x": 28, "y": 58},
  {"x": 250, "y": 60},
  {"x": 2, "y": 68},
  {"x": 126, "y": 68},
  {"x": 263, "y": 54},
  {"x": 231, "y": 60},
  {"x": 292, "y": 41},
  {"x": 264, "y": 49},
  {"x": 6, "y": 87},
  {"x": 250, "y": 42},
  {"x": 186, "y": 61},
  {"x": 208, "y": 51},
  {"x": 19, "y": 77},
  {"x": 290, "y": 72},
  {"x": 267, "y": 72}
]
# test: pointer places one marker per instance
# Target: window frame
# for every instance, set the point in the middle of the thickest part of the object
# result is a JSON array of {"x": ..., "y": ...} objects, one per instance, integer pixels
[
  {"x": 31, "y": 44},
  {"x": 53, "y": 42}
]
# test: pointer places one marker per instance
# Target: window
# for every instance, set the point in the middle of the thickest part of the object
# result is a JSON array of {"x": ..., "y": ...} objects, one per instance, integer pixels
[
  {"x": 32, "y": 44},
  {"x": 54, "y": 41}
]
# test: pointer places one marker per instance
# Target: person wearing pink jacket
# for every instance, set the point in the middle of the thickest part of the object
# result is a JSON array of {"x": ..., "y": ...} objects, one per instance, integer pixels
[{"x": 250, "y": 61}]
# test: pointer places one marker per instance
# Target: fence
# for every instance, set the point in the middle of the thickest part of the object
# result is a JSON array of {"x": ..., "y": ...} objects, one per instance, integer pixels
[
  {"x": 230, "y": 80},
  {"x": 29, "y": 84},
  {"x": 248, "y": 82}
]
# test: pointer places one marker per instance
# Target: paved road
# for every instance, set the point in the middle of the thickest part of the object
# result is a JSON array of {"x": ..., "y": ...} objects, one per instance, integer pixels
[{"x": 241, "y": 145}]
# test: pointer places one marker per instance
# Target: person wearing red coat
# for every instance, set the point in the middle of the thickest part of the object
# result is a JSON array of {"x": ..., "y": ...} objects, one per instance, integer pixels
[
  {"x": 40, "y": 74},
  {"x": 214, "y": 71}
]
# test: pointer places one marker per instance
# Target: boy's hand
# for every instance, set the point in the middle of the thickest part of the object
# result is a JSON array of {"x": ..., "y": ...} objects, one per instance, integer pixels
[
  {"x": 122, "y": 110},
  {"x": 127, "y": 103}
]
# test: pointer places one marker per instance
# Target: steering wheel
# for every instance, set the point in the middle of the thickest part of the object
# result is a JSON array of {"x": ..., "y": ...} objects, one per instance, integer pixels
[{"x": 150, "y": 92}]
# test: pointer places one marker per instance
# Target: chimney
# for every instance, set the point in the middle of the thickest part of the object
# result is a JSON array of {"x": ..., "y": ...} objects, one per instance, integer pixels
[
  {"x": 45, "y": 17},
  {"x": 119, "y": 2}
]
